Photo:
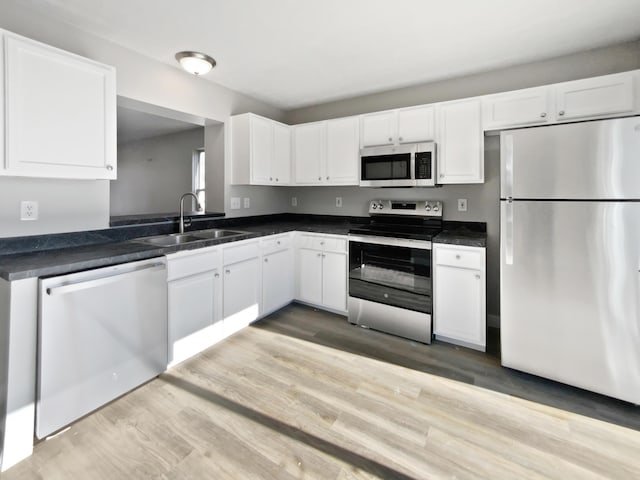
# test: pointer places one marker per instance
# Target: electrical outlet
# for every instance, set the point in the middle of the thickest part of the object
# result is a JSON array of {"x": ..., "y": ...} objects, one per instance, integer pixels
[
  {"x": 28, "y": 210},
  {"x": 235, "y": 203},
  {"x": 462, "y": 204},
  {"x": 294, "y": 201},
  {"x": 247, "y": 202},
  {"x": 339, "y": 202}
]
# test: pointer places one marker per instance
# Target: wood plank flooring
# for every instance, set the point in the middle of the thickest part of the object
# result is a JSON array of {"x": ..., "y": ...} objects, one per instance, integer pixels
[{"x": 302, "y": 394}]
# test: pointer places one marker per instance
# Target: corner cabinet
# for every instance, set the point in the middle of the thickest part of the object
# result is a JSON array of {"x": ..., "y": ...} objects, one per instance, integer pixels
[
  {"x": 460, "y": 142},
  {"x": 326, "y": 153},
  {"x": 59, "y": 112},
  {"x": 260, "y": 151},
  {"x": 459, "y": 295}
]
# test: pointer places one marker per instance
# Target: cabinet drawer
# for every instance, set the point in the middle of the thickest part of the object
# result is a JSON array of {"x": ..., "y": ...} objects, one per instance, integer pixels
[
  {"x": 276, "y": 243},
  {"x": 332, "y": 244},
  {"x": 244, "y": 251},
  {"x": 184, "y": 264},
  {"x": 459, "y": 258},
  {"x": 320, "y": 242}
]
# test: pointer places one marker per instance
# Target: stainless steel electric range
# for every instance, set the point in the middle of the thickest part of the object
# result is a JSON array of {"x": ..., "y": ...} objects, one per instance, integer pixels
[{"x": 390, "y": 274}]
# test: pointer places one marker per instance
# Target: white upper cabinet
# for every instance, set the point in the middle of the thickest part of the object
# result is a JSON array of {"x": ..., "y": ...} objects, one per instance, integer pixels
[
  {"x": 531, "y": 106},
  {"x": 342, "y": 151},
  {"x": 260, "y": 151},
  {"x": 326, "y": 153},
  {"x": 599, "y": 96},
  {"x": 406, "y": 125},
  {"x": 59, "y": 112},
  {"x": 309, "y": 155},
  {"x": 460, "y": 142},
  {"x": 416, "y": 124}
]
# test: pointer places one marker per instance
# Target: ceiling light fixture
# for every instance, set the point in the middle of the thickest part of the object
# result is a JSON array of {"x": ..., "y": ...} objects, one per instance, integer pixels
[{"x": 195, "y": 62}]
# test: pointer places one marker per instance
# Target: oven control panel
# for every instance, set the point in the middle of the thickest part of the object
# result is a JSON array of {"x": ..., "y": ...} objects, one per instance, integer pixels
[{"x": 421, "y": 208}]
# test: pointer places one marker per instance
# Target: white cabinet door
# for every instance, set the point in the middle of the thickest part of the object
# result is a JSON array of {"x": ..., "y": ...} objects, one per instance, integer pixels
[
  {"x": 460, "y": 142},
  {"x": 309, "y": 152},
  {"x": 261, "y": 149},
  {"x": 241, "y": 303},
  {"x": 281, "y": 162},
  {"x": 342, "y": 151},
  {"x": 601, "y": 96},
  {"x": 277, "y": 280},
  {"x": 60, "y": 113},
  {"x": 334, "y": 280},
  {"x": 378, "y": 129},
  {"x": 514, "y": 109},
  {"x": 310, "y": 276},
  {"x": 459, "y": 295},
  {"x": 194, "y": 310},
  {"x": 416, "y": 124}
]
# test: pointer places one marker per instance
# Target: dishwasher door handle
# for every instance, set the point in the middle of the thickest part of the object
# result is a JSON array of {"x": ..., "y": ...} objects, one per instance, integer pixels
[{"x": 96, "y": 282}]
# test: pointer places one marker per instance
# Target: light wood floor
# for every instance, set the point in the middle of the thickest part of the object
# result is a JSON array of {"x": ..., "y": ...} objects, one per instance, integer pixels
[{"x": 304, "y": 395}]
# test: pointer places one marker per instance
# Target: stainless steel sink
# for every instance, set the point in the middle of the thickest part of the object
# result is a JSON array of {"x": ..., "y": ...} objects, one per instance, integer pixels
[
  {"x": 195, "y": 236},
  {"x": 218, "y": 233},
  {"x": 170, "y": 239}
]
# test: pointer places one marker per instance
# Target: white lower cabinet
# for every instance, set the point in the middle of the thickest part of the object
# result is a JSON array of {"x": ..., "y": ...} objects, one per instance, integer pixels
[
  {"x": 322, "y": 271},
  {"x": 194, "y": 302},
  {"x": 242, "y": 282},
  {"x": 459, "y": 295},
  {"x": 277, "y": 273}
]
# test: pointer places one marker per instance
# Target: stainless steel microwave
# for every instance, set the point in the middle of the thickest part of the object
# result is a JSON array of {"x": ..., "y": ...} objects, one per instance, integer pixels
[{"x": 410, "y": 165}]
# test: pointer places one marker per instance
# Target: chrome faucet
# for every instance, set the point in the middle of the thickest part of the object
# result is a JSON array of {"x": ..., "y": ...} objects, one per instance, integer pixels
[{"x": 182, "y": 208}]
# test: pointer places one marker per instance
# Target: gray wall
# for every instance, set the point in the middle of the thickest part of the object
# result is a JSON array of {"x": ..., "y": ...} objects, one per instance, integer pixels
[
  {"x": 153, "y": 173},
  {"x": 482, "y": 199},
  {"x": 82, "y": 205}
]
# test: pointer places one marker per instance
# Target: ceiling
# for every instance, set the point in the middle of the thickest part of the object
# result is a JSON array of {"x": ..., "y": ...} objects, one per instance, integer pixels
[{"x": 295, "y": 53}]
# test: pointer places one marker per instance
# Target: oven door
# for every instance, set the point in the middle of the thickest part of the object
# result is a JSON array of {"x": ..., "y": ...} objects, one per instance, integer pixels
[{"x": 390, "y": 271}]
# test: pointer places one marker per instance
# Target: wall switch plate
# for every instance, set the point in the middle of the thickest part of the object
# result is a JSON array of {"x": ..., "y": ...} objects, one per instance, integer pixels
[
  {"x": 28, "y": 210},
  {"x": 462, "y": 204},
  {"x": 339, "y": 202},
  {"x": 247, "y": 202},
  {"x": 294, "y": 201},
  {"x": 235, "y": 203}
]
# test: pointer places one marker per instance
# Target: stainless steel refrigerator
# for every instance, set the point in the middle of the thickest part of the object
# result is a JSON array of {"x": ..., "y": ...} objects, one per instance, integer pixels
[{"x": 570, "y": 254}]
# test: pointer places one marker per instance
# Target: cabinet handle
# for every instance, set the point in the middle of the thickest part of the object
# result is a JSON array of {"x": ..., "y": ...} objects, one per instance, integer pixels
[
  {"x": 216, "y": 275},
  {"x": 270, "y": 178},
  {"x": 323, "y": 255},
  {"x": 442, "y": 175},
  {"x": 319, "y": 254},
  {"x": 478, "y": 276},
  {"x": 457, "y": 257},
  {"x": 322, "y": 242},
  {"x": 266, "y": 260},
  {"x": 561, "y": 112},
  {"x": 227, "y": 271},
  {"x": 278, "y": 242},
  {"x": 319, "y": 178},
  {"x": 327, "y": 178},
  {"x": 399, "y": 139},
  {"x": 543, "y": 115},
  {"x": 109, "y": 167},
  {"x": 276, "y": 179},
  {"x": 390, "y": 139}
]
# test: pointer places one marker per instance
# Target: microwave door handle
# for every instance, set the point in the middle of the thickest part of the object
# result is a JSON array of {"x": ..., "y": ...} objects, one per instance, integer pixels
[{"x": 412, "y": 165}]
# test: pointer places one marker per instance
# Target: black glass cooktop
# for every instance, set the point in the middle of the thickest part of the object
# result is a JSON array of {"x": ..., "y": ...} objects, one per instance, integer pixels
[{"x": 413, "y": 231}]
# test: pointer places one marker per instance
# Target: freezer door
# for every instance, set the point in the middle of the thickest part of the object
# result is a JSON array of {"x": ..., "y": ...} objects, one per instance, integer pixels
[
  {"x": 584, "y": 161},
  {"x": 570, "y": 290}
]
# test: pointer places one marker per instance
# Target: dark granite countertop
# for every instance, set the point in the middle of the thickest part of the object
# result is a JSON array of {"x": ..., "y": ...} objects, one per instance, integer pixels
[
  {"x": 73, "y": 258},
  {"x": 469, "y": 234}
]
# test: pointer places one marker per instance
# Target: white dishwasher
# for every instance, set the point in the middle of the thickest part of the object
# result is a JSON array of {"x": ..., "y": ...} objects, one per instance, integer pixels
[{"x": 101, "y": 333}]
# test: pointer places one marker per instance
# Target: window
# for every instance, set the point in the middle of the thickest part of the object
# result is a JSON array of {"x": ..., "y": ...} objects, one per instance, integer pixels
[{"x": 198, "y": 177}]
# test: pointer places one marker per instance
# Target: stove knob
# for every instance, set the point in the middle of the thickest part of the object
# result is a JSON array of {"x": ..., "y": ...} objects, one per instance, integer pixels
[
  {"x": 380, "y": 206},
  {"x": 435, "y": 208},
  {"x": 428, "y": 208},
  {"x": 374, "y": 206}
]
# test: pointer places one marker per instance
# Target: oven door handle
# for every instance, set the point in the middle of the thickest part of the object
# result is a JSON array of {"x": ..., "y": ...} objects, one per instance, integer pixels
[{"x": 393, "y": 242}]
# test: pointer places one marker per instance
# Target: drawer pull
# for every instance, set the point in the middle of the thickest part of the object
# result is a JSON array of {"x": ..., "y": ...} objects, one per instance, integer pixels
[{"x": 457, "y": 257}]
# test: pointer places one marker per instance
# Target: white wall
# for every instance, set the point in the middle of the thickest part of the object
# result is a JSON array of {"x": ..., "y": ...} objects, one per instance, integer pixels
[
  {"x": 138, "y": 78},
  {"x": 153, "y": 173}
]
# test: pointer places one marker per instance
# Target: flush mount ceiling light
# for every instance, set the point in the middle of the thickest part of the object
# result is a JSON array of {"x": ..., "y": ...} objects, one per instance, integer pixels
[{"x": 195, "y": 62}]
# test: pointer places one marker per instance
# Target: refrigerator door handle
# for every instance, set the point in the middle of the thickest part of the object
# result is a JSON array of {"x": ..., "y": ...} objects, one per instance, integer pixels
[
  {"x": 508, "y": 231},
  {"x": 507, "y": 155}
]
